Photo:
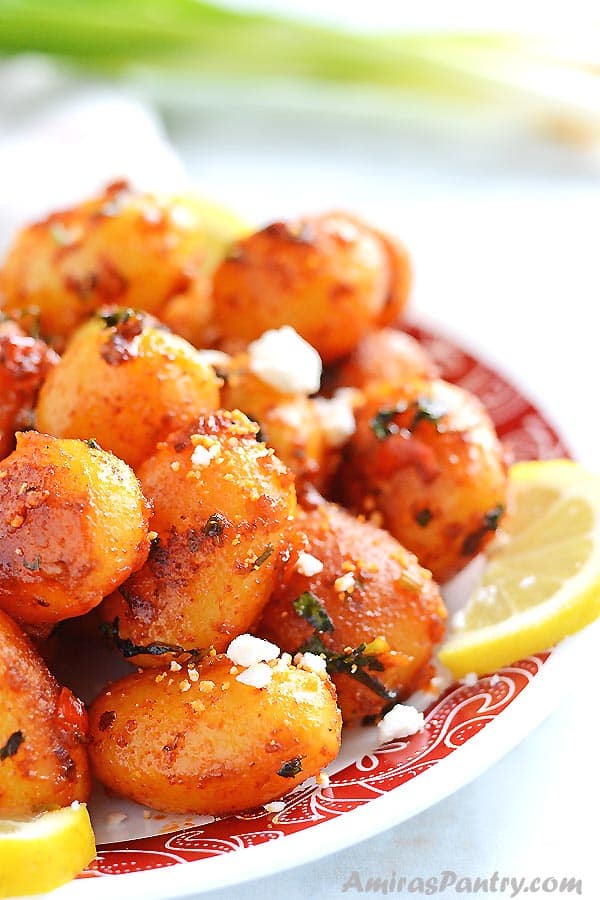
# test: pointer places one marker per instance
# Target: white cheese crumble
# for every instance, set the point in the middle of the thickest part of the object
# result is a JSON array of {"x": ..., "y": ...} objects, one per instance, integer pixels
[
  {"x": 286, "y": 361},
  {"x": 276, "y": 806},
  {"x": 202, "y": 455},
  {"x": 308, "y": 565},
  {"x": 401, "y": 721},
  {"x": 336, "y": 417},
  {"x": 470, "y": 679},
  {"x": 258, "y": 675},
  {"x": 345, "y": 584},
  {"x": 311, "y": 662},
  {"x": 246, "y": 650}
]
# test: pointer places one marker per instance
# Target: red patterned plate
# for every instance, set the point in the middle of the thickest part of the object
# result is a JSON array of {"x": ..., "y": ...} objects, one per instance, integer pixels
[{"x": 467, "y": 729}]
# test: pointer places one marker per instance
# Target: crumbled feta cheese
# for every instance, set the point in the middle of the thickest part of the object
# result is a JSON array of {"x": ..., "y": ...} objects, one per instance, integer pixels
[
  {"x": 275, "y": 807},
  {"x": 257, "y": 675},
  {"x": 245, "y": 650},
  {"x": 286, "y": 361},
  {"x": 203, "y": 455},
  {"x": 75, "y": 804},
  {"x": 336, "y": 417},
  {"x": 311, "y": 662},
  {"x": 308, "y": 565},
  {"x": 283, "y": 663},
  {"x": 215, "y": 358},
  {"x": 470, "y": 679},
  {"x": 401, "y": 721},
  {"x": 345, "y": 584}
]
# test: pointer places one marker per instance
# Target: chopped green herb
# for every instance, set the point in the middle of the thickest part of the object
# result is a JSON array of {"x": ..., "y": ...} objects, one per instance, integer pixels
[
  {"x": 92, "y": 444},
  {"x": 34, "y": 565},
  {"x": 383, "y": 424},
  {"x": 355, "y": 663},
  {"x": 269, "y": 549},
  {"x": 12, "y": 745},
  {"x": 310, "y": 608},
  {"x": 118, "y": 317},
  {"x": 427, "y": 410},
  {"x": 423, "y": 517},
  {"x": 491, "y": 520},
  {"x": 129, "y": 649},
  {"x": 215, "y": 525},
  {"x": 291, "y": 768}
]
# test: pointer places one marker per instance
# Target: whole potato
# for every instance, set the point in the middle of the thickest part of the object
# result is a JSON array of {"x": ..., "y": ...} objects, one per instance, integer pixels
[
  {"x": 73, "y": 526},
  {"x": 400, "y": 277},
  {"x": 222, "y": 509},
  {"x": 138, "y": 382},
  {"x": 385, "y": 355},
  {"x": 372, "y": 592},
  {"x": 120, "y": 247},
  {"x": 426, "y": 459},
  {"x": 327, "y": 276},
  {"x": 24, "y": 364},
  {"x": 43, "y": 728},
  {"x": 213, "y": 744}
]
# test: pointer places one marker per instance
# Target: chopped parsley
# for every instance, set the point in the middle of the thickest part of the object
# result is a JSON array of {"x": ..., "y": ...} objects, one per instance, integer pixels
[
  {"x": 491, "y": 521},
  {"x": 34, "y": 565},
  {"x": 269, "y": 549},
  {"x": 423, "y": 517},
  {"x": 355, "y": 663},
  {"x": 92, "y": 444},
  {"x": 118, "y": 316},
  {"x": 310, "y": 608},
  {"x": 12, "y": 745},
  {"x": 425, "y": 410},
  {"x": 291, "y": 768},
  {"x": 128, "y": 649},
  {"x": 215, "y": 525}
]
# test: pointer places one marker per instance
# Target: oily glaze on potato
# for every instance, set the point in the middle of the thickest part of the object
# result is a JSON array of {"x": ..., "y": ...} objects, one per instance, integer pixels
[
  {"x": 385, "y": 355},
  {"x": 124, "y": 248},
  {"x": 43, "y": 727},
  {"x": 24, "y": 364},
  {"x": 126, "y": 382},
  {"x": 73, "y": 526},
  {"x": 327, "y": 276},
  {"x": 212, "y": 745},
  {"x": 222, "y": 509},
  {"x": 427, "y": 460},
  {"x": 390, "y": 600}
]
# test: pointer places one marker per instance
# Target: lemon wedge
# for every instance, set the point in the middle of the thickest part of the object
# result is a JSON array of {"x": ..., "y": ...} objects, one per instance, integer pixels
[
  {"x": 39, "y": 854},
  {"x": 542, "y": 577}
]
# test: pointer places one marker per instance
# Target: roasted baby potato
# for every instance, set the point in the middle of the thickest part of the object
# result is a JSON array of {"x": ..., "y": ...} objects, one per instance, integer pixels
[
  {"x": 201, "y": 741},
  {"x": 126, "y": 382},
  {"x": 122, "y": 248},
  {"x": 385, "y": 355},
  {"x": 24, "y": 364},
  {"x": 357, "y": 587},
  {"x": 43, "y": 727},
  {"x": 73, "y": 526},
  {"x": 426, "y": 460},
  {"x": 327, "y": 276},
  {"x": 400, "y": 277},
  {"x": 222, "y": 509}
]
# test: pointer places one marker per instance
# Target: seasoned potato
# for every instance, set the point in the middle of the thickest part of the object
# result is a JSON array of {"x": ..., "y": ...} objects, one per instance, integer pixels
[
  {"x": 327, "y": 276},
  {"x": 385, "y": 355},
  {"x": 222, "y": 509},
  {"x": 373, "y": 592},
  {"x": 426, "y": 459},
  {"x": 214, "y": 744},
  {"x": 289, "y": 422},
  {"x": 73, "y": 526},
  {"x": 126, "y": 383},
  {"x": 24, "y": 364},
  {"x": 121, "y": 247},
  {"x": 43, "y": 762},
  {"x": 400, "y": 277}
]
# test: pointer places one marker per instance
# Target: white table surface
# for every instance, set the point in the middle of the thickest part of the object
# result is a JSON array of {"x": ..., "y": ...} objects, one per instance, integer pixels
[{"x": 504, "y": 235}]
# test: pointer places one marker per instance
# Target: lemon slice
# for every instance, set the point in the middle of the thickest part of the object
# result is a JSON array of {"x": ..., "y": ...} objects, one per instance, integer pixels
[
  {"x": 39, "y": 854},
  {"x": 542, "y": 578}
]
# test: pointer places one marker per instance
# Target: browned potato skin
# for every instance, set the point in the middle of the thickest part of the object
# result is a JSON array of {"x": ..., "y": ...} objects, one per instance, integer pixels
[
  {"x": 385, "y": 355},
  {"x": 150, "y": 745},
  {"x": 328, "y": 276},
  {"x": 73, "y": 526},
  {"x": 50, "y": 767},
  {"x": 139, "y": 382},
  {"x": 199, "y": 587},
  {"x": 398, "y": 600},
  {"x": 121, "y": 247},
  {"x": 456, "y": 473},
  {"x": 24, "y": 364},
  {"x": 288, "y": 423}
]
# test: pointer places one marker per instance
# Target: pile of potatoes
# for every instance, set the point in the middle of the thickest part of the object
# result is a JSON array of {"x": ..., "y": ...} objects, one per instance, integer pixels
[{"x": 262, "y": 540}]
